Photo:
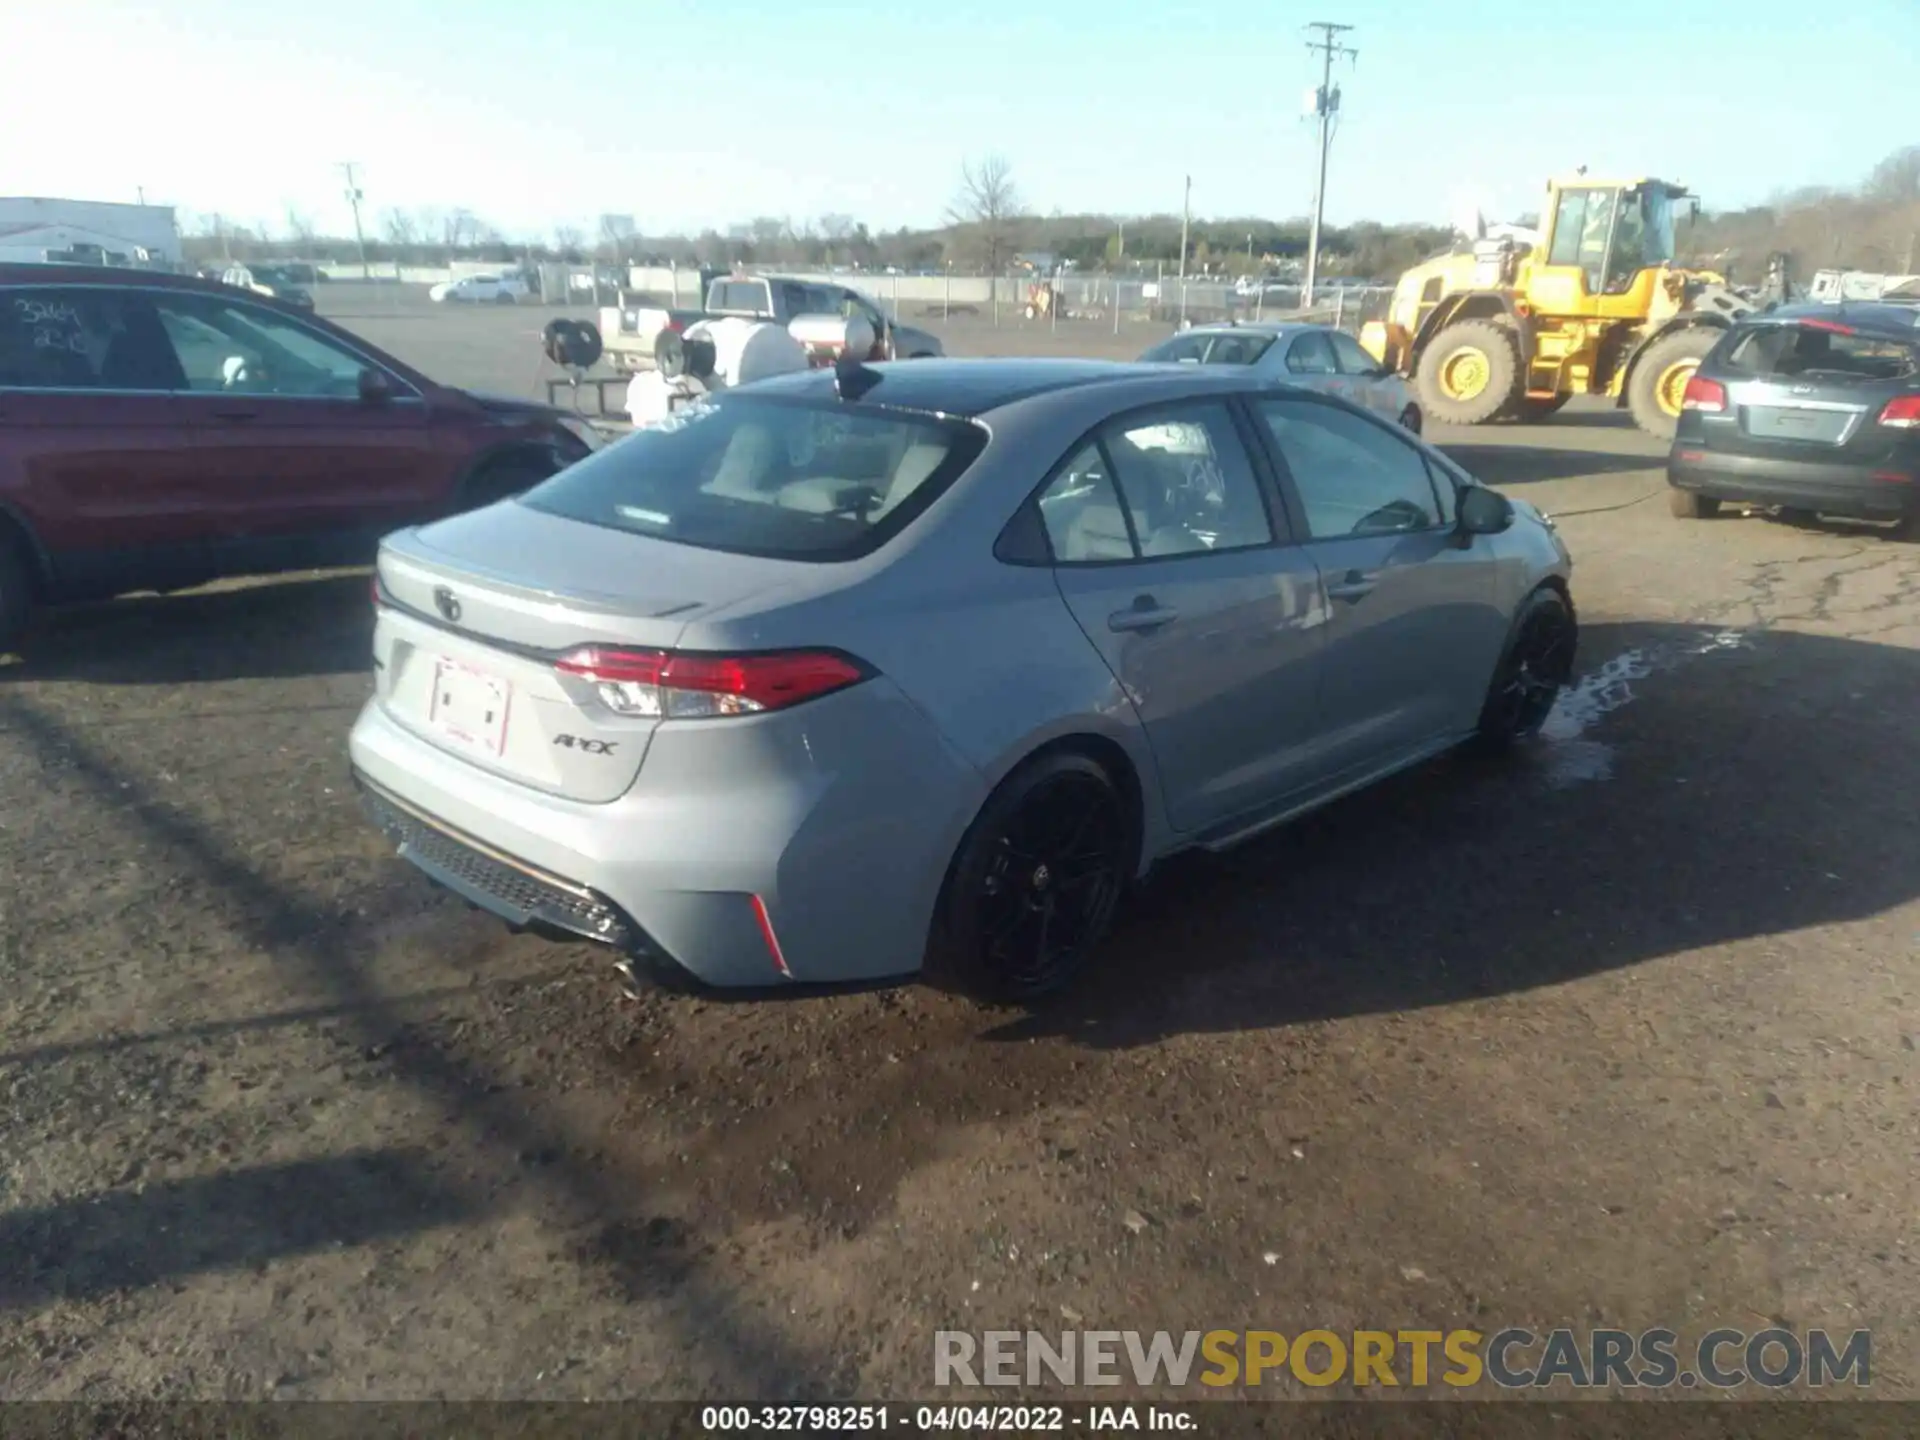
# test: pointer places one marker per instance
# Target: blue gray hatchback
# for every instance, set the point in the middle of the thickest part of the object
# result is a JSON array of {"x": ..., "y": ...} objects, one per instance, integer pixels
[{"x": 889, "y": 669}]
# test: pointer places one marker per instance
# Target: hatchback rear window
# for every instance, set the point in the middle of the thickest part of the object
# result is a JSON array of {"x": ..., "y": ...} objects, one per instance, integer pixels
[
  {"x": 756, "y": 475},
  {"x": 1823, "y": 352}
]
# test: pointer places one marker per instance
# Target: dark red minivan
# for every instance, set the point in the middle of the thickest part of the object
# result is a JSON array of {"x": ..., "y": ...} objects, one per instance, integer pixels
[{"x": 159, "y": 431}]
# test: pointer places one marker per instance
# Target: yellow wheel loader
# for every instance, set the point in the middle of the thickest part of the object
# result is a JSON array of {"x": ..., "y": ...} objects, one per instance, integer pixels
[{"x": 1510, "y": 327}]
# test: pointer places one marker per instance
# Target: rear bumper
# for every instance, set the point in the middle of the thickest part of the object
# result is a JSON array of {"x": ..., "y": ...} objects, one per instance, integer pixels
[
  {"x": 1849, "y": 490},
  {"x": 728, "y": 859}
]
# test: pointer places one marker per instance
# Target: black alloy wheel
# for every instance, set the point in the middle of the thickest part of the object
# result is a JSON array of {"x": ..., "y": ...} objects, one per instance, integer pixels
[
  {"x": 1538, "y": 663},
  {"x": 1037, "y": 880}
]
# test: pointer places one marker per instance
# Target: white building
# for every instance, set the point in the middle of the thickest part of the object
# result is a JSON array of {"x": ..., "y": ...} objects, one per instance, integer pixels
[{"x": 31, "y": 227}]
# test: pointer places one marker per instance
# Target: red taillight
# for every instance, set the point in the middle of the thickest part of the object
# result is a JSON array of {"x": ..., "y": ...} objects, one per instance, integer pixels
[
  {"x": 379, "y": 595},
  {"x": 1708, "y": 396},
  {"x": 1903, "y": 413},
  {"x": 686, "y": 687},
  {"x": 676, "y": 326}
]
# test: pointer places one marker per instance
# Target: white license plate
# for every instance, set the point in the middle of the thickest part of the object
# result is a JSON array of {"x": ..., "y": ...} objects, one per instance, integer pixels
[{"x": 470, "y": 707}]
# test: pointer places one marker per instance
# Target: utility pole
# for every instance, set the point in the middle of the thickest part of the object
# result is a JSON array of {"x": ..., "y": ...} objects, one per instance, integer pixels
[
  {"x": 1326, "y": 103},
  {"x": 354, "y": 197},
  {"x": 141, "y": 191},
  {"x": 1186, "y": 219}
]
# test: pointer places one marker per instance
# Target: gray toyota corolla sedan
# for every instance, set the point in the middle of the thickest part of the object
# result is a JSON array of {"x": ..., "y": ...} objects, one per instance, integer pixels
[{"x": 866, "y": 672}]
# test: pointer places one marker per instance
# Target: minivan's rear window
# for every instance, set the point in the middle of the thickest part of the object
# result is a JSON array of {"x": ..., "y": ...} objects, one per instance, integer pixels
[
  {"x": 759, "y": 475},
  {"x": 1821, "y": 352}
]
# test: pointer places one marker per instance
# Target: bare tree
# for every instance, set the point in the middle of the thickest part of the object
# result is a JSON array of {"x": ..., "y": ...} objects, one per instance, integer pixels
[
  {"x": 567, "y": 239},
  {"x": 399, "y": 227},
  {"x": 986, "y": 208},
  {"x": 300, "y": 230}
]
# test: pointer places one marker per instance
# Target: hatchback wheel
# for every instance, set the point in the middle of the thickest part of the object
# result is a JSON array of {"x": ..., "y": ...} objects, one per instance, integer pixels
[
  {"x": 16, "y": 591},
  {"x": 1691, "y": 505},
  {"x": 1410, "y": 419},
  {"x": 1035, "y": 882},
  {"x": 1537, "y": 663}
]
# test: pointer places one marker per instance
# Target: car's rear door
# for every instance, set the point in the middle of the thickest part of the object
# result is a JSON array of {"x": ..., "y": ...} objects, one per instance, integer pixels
[
  {"x": 1310, "y": 363},
  {"x": 96, "y": 450},
  {"x": 1186, "y": 581},
  {"x": 302, "y": 470},
  {"x": 1413, "y": 629}
]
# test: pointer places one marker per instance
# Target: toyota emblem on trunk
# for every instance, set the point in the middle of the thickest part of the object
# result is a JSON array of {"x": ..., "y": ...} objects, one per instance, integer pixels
[{"x": 446, "y": 604}]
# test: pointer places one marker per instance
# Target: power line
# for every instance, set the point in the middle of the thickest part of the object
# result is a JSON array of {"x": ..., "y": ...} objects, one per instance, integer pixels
[
  {"x": 354, "y": 197},
  {"x": 1326, "y": 105}
]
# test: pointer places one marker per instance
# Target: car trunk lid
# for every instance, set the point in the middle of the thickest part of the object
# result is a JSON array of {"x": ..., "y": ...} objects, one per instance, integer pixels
[{"x": 476, "y": 612}]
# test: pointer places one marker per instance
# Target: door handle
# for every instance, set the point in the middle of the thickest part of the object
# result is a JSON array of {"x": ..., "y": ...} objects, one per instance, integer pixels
[
  {"x": 1146, "y": 614},
  {"x": 1354, "y": 585}
]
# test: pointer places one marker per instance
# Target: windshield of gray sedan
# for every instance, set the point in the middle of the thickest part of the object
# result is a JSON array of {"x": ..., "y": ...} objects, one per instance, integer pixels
[{"x": 796, "y": 480}]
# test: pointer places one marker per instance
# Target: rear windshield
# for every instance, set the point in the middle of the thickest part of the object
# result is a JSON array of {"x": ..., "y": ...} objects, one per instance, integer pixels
[
  {"x": 1818, "y": 351},
  {"x": 756, "y": 475},
  {"x": 1212, "y": 349}
]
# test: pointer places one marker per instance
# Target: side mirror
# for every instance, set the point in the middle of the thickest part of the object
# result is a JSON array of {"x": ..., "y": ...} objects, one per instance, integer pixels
[
  {"x": 375, "y": 389},
  {"x": 1484, "y": 511}
]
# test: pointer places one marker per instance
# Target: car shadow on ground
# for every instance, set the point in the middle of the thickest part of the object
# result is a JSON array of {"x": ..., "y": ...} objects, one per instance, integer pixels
[
  {"x": 281, "y": 629},
  {"x": 167, "y": 1230},
  {"x": 1529, "y": 464},
  {"x": 1741, "y": 782}
]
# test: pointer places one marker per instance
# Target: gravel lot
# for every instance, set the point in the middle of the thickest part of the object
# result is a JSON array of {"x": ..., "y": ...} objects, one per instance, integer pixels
[{"x": 1620, "y": 1033}]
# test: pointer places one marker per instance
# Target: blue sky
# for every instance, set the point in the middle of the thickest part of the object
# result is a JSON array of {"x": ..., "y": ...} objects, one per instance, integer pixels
[{"x": 687, "y": 113}]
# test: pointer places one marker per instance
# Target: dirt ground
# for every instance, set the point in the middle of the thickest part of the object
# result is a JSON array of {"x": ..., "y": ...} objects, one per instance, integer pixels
[{"x": 1621, "y": 1032}]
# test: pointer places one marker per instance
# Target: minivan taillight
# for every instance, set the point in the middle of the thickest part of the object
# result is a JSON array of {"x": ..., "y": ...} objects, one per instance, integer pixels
[
  {"x": 669, "y": 686},
  {"x": 1903, "y": 413},
  {"x": 1702, "y": 394}
]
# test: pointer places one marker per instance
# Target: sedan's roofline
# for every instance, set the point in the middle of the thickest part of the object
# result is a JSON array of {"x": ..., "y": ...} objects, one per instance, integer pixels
[{"x": 1883, "y": 320}]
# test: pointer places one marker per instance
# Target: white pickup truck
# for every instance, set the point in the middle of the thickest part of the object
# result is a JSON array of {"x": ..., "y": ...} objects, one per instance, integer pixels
[{"x": 631, "y": 333}]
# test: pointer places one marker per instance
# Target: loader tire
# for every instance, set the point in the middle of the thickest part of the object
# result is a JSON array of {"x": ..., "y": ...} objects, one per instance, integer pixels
[
  {"x": 1660, "y": 378},
  {"x": 1469, "y": 373}
]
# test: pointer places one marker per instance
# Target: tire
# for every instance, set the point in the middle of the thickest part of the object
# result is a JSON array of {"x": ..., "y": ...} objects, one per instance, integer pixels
[
  {"x": 1410, "y": 419},
  {"x": 1537, "y": 662},
  {"x": 1059, "y": 814},
  {"x": 1689, "y": 505},
  {"x": 1531, "y": 411},
  {"x": 16, "y": 591},
  {"x": 503, "y": 298},
  {"x": 1447, "y": 370},
  {"x": 1661, "y": 374}
]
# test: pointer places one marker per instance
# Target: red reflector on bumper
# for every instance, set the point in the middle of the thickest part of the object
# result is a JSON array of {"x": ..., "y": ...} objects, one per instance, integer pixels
[
  {"x": 1892, "y": 477},
  {"x": 1691, "y": 455},
  {"x": 766, "y": 933}
]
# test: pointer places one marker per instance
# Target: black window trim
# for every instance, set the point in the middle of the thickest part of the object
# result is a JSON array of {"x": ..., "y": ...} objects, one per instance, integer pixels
[
  {"x": 407, "y": 392},
  {"x": 1290, "y": 491},
  {"x": 1280, "y": 527}
]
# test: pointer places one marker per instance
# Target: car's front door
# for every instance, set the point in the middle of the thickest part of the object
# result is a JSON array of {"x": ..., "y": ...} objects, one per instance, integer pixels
[
  {"x": 305, "y": 470},
  {"x": 98, "y": 455},
  {"x": 1181, "y": 574},
  {"x": 1414, "y": 626},
  {"x": 1367, "y": 385}
]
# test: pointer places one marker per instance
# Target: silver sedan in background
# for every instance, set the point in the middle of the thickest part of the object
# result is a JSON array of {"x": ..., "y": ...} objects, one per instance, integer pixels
[
  {"x": 857, "y": 671},
  {"x": 1314, "y": 357}
]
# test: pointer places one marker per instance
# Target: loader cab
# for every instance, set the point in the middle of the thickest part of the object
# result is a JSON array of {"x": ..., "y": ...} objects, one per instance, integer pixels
[{"x": 1604, "y": 245}]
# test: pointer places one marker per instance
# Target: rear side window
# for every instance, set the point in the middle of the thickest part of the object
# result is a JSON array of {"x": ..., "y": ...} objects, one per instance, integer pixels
[
  {"x": 1822, "y": 351},
  {"x": 755, "y": 475},
  {"x": 83, "y": 338},
  {"x": 1173, "y": 482},
  {"x": 749, "y": 296},
  {"x": 1311, "y": 355}
]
